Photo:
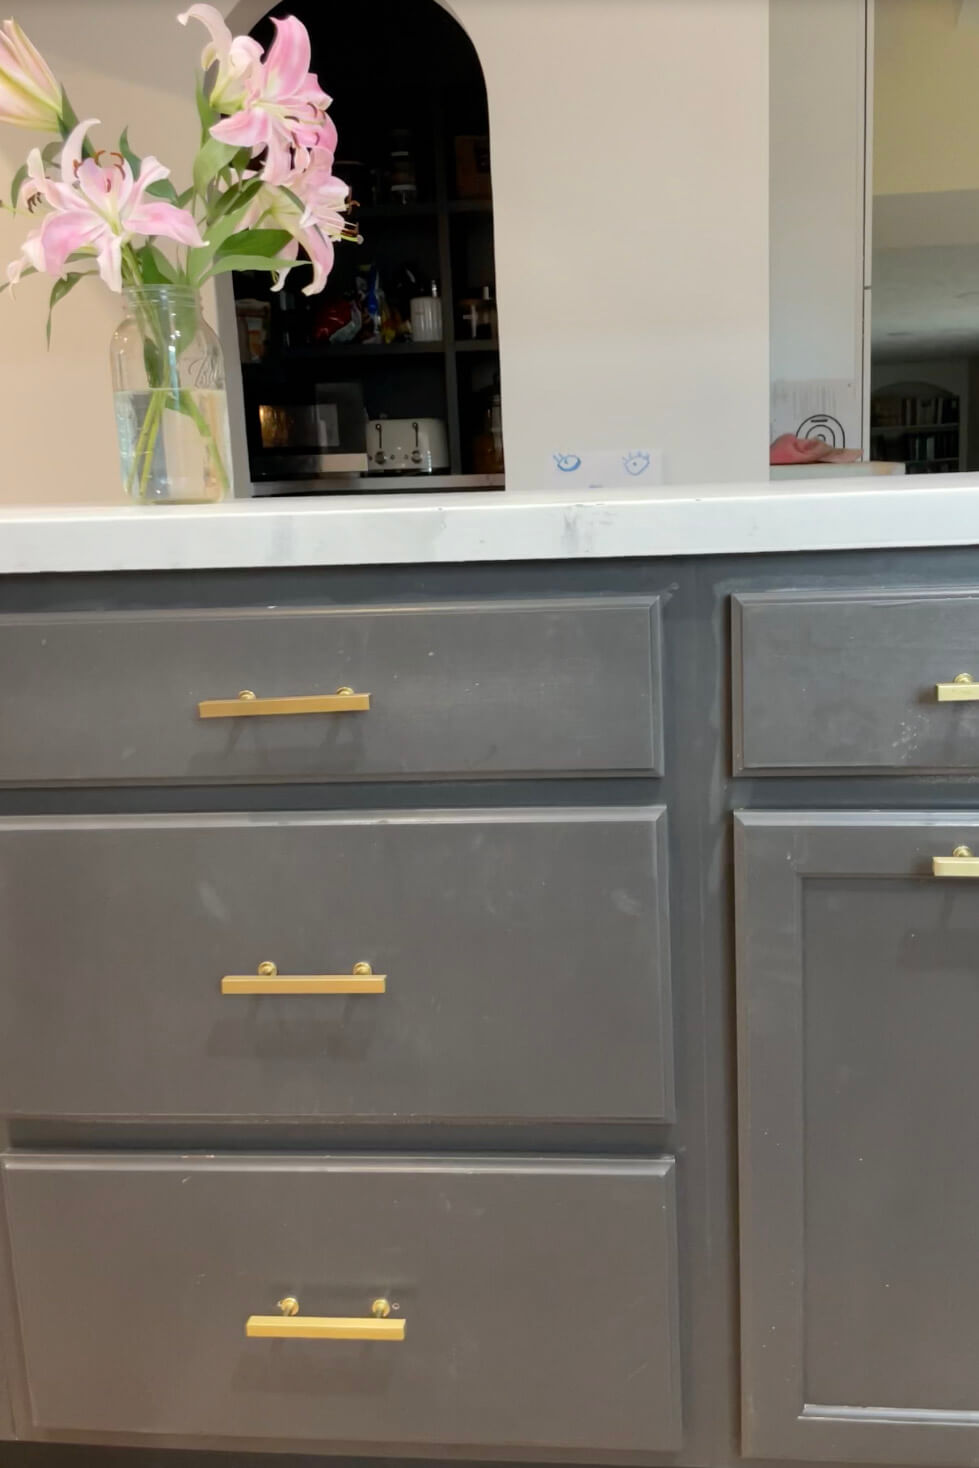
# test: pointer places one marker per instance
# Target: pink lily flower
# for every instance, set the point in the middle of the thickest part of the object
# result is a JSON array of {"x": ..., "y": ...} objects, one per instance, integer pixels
[
  {"x": 96, "y": 209},
  {"x": 309, "y": 207},
  {"x": 235, "y": 57},
  {"x": 285, "y": 110},
  {"x": 30, "y": 95}
]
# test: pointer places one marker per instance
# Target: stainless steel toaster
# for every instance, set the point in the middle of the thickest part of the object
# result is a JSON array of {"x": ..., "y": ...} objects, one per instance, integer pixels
[{"x": 407, "y": 446}]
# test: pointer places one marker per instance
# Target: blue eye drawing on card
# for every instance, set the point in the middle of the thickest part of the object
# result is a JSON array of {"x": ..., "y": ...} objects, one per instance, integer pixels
[
  {"x": 568, "y": 463},
  {"x": 636, "y": 464}
]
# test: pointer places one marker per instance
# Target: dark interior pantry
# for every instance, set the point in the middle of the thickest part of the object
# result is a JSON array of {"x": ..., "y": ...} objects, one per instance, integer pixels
[{"x": 330, "y": 379}]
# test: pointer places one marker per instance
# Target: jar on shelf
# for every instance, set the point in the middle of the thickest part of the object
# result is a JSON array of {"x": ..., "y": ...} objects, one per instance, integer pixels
[{"x": 478, "y": 317}]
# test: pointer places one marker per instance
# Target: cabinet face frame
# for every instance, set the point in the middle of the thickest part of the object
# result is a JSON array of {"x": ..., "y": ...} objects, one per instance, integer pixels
[{"x": 775, "y": 853}]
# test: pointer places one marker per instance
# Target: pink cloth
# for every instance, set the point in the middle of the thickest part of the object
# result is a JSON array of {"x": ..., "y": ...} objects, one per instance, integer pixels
[{"x": 787, "y": 449}]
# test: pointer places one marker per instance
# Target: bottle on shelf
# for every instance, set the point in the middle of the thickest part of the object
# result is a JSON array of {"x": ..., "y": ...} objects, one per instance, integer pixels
[
  {"x": 426, "y": 315},
  {"x": 403, "y": 176},
  {"x": 488, "y": 442},
  {"x": 479, "y": 316}
]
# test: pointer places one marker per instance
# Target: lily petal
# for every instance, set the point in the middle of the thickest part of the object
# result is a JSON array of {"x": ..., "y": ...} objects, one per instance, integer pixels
[
  {"x": 213, "y": 21},
  {"x": 157, "y": 217},
  {"x": 73, "y": 151},
  {"x": 33, "y": 71},
  {"x": 30, "y": 94},
  {"x": 234, "y": 56},
  {"x": 110, "y": 261},
  {"x": 61, "y": 235},
  {"x": 151, "y": 171},
  {"x": 249, "y": 129},
  {"x": 104, "y": 188},
  {"x": 286, "y": 66},
  {"x": 288, "y": 252},
  {"x": 321, "y": 253}
]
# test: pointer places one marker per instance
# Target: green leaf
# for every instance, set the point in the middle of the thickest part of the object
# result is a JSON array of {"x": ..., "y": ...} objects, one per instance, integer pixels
[
  {"x": 131, "y": 158},
  {"x": 207, "y": 114},
  {"x": 50, "y": 151},
  {"x": 253, "y": 262},
  {"x": 219, "y": 231},
  {"x": 184, "y": 199},
  {"x": 15, "y": 184},
  {"x": 236, "y": 198},
  {"x": 260, "y": 242},
  {"x": 213, "y": 156},
  {"x": 154, "y": 267},
  {"x": 152, "y": 363},
  {"x": 163, "y": 189},
  {"x": 58, "y": 292},
  {"x": 68, "y": 118}
]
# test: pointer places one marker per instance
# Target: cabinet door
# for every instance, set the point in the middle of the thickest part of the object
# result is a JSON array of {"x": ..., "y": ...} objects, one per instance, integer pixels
[{"x": 858, "y": 1000}]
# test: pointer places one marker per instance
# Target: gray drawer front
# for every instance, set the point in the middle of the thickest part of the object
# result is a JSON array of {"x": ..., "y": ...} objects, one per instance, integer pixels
[
  {"x": 539, "y": 1300},
  {"x": 488, "y": 689},
  {"x": 526, "y": 955},
  {"x": 847, "y": 682}
]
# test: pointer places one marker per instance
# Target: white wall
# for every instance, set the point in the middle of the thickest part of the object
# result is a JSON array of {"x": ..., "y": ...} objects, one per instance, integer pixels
[
  {"x": 630, "y": 161},
  {"x": 817, "y": 196}
]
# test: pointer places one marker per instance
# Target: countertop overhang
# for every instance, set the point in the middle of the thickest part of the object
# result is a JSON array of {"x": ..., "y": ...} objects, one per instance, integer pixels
[{"x": 728, "y": 519}]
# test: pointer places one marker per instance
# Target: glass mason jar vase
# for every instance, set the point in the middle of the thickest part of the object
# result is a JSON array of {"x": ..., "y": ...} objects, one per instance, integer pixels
[{"x": 171, "y": 408}]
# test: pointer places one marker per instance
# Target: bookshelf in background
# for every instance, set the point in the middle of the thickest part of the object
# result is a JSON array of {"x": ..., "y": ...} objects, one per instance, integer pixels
[
  {"x": 919, "y": 426},
  {"x": 414, "y": 148}
]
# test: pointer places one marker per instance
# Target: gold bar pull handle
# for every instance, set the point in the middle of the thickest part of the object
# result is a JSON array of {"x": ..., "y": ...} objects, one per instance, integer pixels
[
  {"x": 268, "y": 980},
  {"x": 962, "y": 689},
  {"x": 961, "y": 863},
  {"x": 248, "y": 705},
  {"x": 290, "y": 1325}
]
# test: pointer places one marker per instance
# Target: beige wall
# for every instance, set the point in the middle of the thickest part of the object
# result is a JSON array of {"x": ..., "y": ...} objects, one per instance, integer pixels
[
  {"x": 926, "y": 121},
  {"x": 121, "y": 61},
  {"x": 817, "y": 206},
  {"x": 631, "y": 172}
]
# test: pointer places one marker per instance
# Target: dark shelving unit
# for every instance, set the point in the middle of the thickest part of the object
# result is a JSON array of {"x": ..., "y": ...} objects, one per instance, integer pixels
[
  {"x": 440, "y": 235},
  {"x": 917, "y": 424}
]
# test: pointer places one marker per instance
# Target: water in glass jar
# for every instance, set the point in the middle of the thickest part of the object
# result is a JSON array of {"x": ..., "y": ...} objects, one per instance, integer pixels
[{"x": 175, "y": 446}]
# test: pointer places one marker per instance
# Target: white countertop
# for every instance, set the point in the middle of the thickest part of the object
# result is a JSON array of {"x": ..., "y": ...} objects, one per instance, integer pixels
[{"x": 378, "y": 530}]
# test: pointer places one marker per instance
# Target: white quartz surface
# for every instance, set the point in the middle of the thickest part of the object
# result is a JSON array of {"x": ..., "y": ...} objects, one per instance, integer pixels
[{"x": 367, "y": 530}]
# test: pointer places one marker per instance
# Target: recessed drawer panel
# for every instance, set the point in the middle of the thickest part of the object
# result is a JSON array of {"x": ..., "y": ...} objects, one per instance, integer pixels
[
  {"x": 504, "y": 688},
  {"x": 519, "y": 966},
  {"x": 857, "y": 682},
  {"x": 538, "y": 1300}
]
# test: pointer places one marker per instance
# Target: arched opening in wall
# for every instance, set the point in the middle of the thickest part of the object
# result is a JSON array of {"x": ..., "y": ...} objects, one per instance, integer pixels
[{"x": 389, "y": 379}]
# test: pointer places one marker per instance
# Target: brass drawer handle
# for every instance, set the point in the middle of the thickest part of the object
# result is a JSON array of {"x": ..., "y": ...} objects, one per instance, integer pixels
[
  {"x": 249, "y": 706},
  {"x": 290, "y": 1325},
  {"x": 962, "y": 689},
  {"x": 268, "y": 980},
  {"x": 961, "y": 863}
]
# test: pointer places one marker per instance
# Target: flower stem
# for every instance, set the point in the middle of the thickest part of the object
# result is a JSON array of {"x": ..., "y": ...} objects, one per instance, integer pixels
[
  {"x": 146, "y": 442},
  {"x": 204, "y": 429}
]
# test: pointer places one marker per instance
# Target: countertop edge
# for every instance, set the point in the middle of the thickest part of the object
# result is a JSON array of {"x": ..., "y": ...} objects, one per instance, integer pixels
[{"x": 707, "y": 520}]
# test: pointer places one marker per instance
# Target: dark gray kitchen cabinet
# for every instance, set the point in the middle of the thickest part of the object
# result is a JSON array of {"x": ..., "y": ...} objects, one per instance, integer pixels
[
  {"x": 136, "y": 1277},
  {"x": 858, "y": 1012},
  {"x": 533, "y": 842}
]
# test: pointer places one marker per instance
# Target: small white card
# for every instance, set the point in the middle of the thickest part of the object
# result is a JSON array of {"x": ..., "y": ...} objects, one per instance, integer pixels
[{"x": 606, "y": 468}]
